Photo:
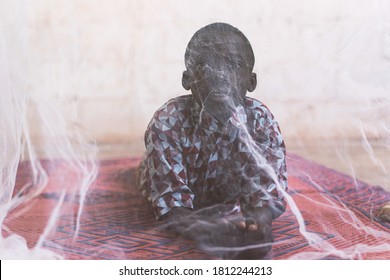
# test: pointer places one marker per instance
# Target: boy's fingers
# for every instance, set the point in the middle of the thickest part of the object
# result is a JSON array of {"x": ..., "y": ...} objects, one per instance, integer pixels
[
  {"x": 242, "y": 224},
  {"x": 251, "y": 224},
  {"x": 252, "y": 227},
  {"x": 237, "y": 220}
]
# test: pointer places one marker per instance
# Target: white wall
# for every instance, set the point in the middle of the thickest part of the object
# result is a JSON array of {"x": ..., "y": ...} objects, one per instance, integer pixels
[{"x": 323, "y": 66}]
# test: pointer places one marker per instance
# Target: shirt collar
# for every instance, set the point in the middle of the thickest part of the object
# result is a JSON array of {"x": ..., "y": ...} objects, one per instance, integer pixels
[{"x": 205, "y": 120}]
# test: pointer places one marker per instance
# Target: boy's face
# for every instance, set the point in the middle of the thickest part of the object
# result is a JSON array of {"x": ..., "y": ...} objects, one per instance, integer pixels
[{"x": 220, "y": 71}]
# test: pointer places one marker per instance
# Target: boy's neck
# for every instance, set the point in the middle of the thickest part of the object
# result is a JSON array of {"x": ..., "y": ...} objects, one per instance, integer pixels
[{"x": 221, "y": 115}]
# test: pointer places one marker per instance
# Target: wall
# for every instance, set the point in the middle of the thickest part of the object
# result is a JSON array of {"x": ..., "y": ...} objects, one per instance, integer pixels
[{"x": 323, "y": 66}]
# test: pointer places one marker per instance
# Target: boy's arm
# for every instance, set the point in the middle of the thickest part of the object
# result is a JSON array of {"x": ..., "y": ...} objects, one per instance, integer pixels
[
  {"x": 166, "y": 171},
  {"x": 272, "y": 147}
]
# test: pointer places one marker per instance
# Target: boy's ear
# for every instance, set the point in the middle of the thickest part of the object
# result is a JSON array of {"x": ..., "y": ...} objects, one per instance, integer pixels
[
  {"x": 186, "y": 80},
  {"x": 252, "y": 82}
]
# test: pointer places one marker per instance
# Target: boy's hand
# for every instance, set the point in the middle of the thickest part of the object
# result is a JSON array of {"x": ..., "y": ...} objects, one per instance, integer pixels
[
  {"x": 178, "y": 219},
  {"x": 254, "y": 218},
  {"x": 182, "y": 220},
  {"x": 177, "y": 213},
  {"x": 225, "y": 236},
  {"x": 249, "y": 224},
  {"x": 257, "y": 218}
]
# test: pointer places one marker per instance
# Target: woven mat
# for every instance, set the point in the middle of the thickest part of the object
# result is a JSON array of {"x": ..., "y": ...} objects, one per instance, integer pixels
[{"x": 117, "y": 224}]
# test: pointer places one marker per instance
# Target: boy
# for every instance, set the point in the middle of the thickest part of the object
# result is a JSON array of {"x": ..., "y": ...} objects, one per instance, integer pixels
[{"x": 215, "y": 165}]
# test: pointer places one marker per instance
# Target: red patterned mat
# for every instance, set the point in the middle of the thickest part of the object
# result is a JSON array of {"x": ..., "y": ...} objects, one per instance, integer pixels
[{"x": 116, "y": 223}]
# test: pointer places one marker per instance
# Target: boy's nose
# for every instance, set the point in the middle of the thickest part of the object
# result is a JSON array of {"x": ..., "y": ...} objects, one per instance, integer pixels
[{"x": 219, "y": 73}]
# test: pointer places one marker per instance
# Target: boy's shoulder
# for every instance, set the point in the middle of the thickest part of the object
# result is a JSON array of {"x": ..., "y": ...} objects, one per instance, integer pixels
[
  {"x": 176, "y": 105},
  {"x": 176, "y": 110},
  {"x": 257, "y": 108},
  {"x": 180, "y": 108}
]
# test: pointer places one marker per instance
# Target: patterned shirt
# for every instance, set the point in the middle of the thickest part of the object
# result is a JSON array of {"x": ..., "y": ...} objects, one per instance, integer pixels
[{"x": 192, "y": 160}]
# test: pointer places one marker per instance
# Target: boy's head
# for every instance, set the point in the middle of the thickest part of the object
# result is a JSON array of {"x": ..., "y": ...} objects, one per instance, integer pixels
[{"x": 219, "y": 61}]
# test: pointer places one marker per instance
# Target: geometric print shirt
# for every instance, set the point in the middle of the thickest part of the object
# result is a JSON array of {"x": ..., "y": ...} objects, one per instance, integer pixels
[{"x": 194, "y": 161}]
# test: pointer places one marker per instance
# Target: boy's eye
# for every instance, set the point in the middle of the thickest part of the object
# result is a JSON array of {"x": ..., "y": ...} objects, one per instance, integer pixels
[
  {"x": 201, "y": 66},
  {"x": 236, "y": 64}
]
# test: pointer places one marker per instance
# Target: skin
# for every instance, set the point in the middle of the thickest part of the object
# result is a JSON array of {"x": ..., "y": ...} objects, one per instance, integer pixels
[{"x": 219, "y": 74}]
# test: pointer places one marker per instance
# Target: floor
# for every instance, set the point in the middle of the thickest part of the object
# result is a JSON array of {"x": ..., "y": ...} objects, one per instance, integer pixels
[
  {"x": 367, "y": 161},
  {"x": 116, "y": 223}
]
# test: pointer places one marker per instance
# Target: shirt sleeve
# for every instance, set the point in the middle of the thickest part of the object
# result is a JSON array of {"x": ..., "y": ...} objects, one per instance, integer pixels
[
  {"x": 273, "y": 178},
  {"x": 164, "y": 164}
]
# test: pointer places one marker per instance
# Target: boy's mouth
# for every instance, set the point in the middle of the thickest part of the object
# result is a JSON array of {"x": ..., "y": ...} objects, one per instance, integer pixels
[{"x": 214, "y": 94}]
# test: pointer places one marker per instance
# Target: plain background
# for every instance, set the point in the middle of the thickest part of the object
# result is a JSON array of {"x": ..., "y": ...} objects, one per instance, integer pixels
[{"x": 322, "y": 66}]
